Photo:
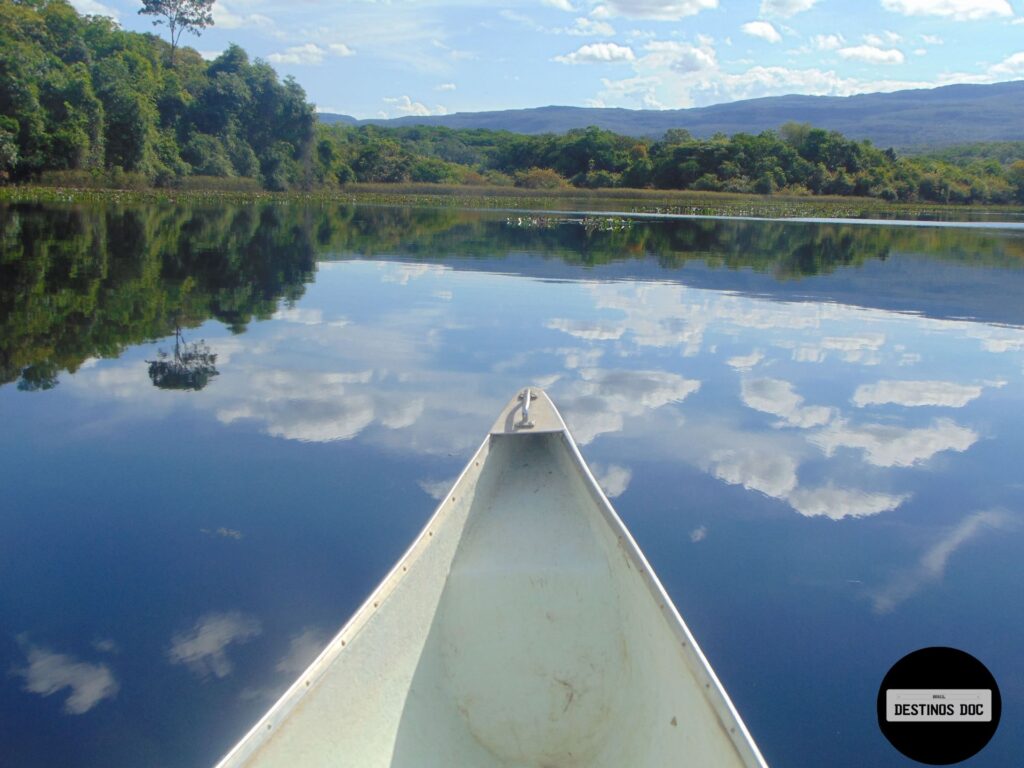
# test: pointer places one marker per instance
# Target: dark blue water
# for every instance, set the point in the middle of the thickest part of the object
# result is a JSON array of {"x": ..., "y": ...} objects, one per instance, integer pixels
[{"x": 814, "y": 431}]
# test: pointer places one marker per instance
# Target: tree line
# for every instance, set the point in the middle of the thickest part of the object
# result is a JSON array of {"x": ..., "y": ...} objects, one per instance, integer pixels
[
  {"x": 82, "y": 97},
  {"x": 83, "y": 100},
  {"x": 797, "y": 159}
]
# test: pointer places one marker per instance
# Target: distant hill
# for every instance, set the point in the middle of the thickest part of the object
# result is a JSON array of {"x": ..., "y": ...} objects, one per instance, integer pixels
[{"x": 906, "y": 120}]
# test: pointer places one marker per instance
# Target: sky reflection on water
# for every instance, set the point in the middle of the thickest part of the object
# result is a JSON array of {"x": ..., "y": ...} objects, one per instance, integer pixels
[{"x": 822, "y": 485}]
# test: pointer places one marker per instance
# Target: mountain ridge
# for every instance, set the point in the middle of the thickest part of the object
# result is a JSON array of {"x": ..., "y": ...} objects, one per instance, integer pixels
[{"x": 908, "y": 119}]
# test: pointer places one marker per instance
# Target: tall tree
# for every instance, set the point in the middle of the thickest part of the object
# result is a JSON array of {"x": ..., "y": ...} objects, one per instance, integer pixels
[{"x": 180, "y": 16}]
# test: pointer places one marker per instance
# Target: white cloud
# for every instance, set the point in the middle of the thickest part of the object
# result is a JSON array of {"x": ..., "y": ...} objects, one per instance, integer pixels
[
  {"x": 302, "y": 650},
  {"x": 309, "y": 54},
  {"x": 613, "y": 479},
  {"x": 446, "y": 87},
  {"x": 336, "y": 406},
  {"x": 587, "y": 329},
  {"x": 872, "y": 54},
  {"x": 600, "y": 400},
  {"x": 771, "y": 473},
  {"x": 959, "y": 10},
  {"x": 763, "y": 30},
  {"x": 598, "y": 53},
  {"x": 887, "y": 37},
  {"x": 1011, "y": 66},
  {"x": 916, "y": 393},
  {"x": 698, "y": 534},
  {"x": 437, "y": 489},
  {"x": 838, "y": 503},
  {"x": 299, "y": 315},
  {"x": 931, "y": 39},
  {"x": 585, "y": 27},
  {"x": 106, "y": 645},
  {"x": 827, "y": 42},
  {"x": 681, "y": 58},
  {"x": 48, "y": 673},
  {"x": 203, "y": 649},
  {"x": 403, "y": 105},
  {"x": 932, "y": 565},
  {"x": 777, "y": 397},
  {"x": 663, "y": 10},
  {"x": 225, "y": 18},
  {"x": 886, "y": 445},
  {"x": 785, "y": 7},
  {"x": 746, "y": 362},
  {"x": 93, "y": 8},
  {"x": 562, "y": 5},
  {"x": 340, "y": 49}
]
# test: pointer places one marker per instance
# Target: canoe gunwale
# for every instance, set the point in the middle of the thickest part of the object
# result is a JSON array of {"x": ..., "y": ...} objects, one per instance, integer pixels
[
  {"x": 546, "y": 421},
  {"x": 249, "y": 744}
]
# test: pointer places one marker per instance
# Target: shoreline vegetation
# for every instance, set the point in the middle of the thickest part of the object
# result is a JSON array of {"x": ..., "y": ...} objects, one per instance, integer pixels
[
  {"x": 618, "y": 200},
  {"x": 86, "y": 105}
]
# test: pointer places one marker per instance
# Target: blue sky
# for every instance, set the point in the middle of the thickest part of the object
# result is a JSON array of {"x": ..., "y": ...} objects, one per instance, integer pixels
[{"x": 371, "y": 58}]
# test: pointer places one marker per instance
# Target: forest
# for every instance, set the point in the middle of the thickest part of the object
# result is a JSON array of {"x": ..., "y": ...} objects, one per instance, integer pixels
[{"x": 85, "y": 103}]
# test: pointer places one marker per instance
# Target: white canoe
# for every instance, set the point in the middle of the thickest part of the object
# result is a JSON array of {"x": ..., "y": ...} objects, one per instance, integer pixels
[{"x": 522, "y": 629}]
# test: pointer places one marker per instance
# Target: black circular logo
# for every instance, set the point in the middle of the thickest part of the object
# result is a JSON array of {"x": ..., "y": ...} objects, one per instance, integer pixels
[{"x": 939, "y": 706}]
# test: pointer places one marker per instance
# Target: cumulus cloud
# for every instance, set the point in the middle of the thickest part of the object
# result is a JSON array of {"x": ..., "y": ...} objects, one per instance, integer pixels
[
  {"x": 888, "y": 37},
  {"x": 300, "y": 315},
  {"x": 681, "y": 58},
  {"x": 663, "y": 10},
  {"x": 446, "y": 87},
  {"x": 872, "y": 54},
  {"x": 334, "y": 408},
  {"x": 48, "y": 673},
  {"x": 562, "y": 5},
  {"x": 584, "y": 27},
  {"x": 203, "y": 648},
  {"x": 932, "y": 565},
  {"x": 613, "y": 479},
  {"x": 437, "y": 488},
  {"x": 590, "y": 330},
  {"x": 404, "y": 105},
  {"x": 310, "y": 54},
  {"x": 1011, "y": 66},
  {"x": 302, "y": 650},
  {"x": 225, "y": 18},
  {"x": 785, "y": 8},
  {"x": 887, "y": 445},
  {"x": 763, "y": 30},
  {"x": 916, "y": 393},
  {"x": 838, "y": 503},
  {"x": 827, "y": 42},
  {"x": 600, "y": 400},
  {"x": 777, "y": 397},
  {"x": 598, "y": 53},
  {"x": 698, "y": 534},
  {"x": 746, "y": 362},
  {"x": 771, "y": 473},
  {"x": 959, "y": 10}
]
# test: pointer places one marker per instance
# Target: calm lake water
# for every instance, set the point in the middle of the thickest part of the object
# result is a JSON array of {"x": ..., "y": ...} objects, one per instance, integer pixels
[{"x": 222, "y": 425}]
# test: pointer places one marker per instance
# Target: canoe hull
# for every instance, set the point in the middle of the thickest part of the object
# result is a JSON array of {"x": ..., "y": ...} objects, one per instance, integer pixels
[{"x": 523, "y": 629}]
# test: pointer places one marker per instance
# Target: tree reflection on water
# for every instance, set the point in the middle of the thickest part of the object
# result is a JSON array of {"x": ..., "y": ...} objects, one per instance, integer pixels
[{"x": 191, "y": 367}]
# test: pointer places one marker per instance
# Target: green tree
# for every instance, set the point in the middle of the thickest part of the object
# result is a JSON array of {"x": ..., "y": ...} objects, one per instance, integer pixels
[{"x": 180, "y": 16}]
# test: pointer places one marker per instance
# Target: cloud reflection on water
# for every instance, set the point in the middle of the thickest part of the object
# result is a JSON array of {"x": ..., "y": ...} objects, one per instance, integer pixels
[
  {"x": 931, "y": 567},
  {"x": 49, "y": 672},
  {"x": 203, "y": 649}
]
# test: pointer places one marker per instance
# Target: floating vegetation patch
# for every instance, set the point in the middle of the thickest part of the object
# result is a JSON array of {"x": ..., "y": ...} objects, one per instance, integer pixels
[{"x": 589, "y": 223}]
